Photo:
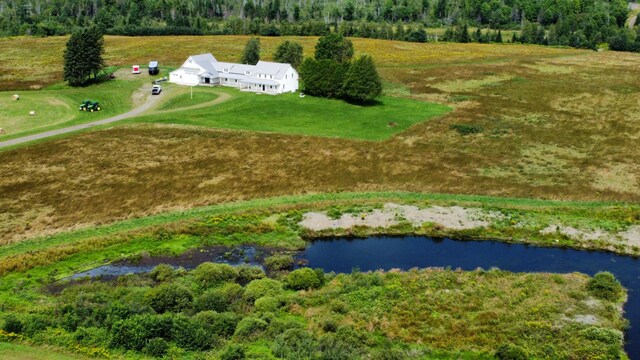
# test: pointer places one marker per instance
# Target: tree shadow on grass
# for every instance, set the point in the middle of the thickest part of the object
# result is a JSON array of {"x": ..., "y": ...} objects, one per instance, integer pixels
[{"x": 370, "y": 103}]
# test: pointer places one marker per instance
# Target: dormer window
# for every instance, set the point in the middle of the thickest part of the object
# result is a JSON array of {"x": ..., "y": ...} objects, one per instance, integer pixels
[
  {"x": 226, "y": 70},
  {"x": 247, "y": 72}
]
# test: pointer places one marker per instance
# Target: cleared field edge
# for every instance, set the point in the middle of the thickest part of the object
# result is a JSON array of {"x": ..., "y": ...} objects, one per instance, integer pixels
[{"x": 129, "y": 225}]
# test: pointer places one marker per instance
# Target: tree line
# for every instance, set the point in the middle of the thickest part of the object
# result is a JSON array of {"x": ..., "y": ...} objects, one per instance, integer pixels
[{"x": 578, "y": 23}]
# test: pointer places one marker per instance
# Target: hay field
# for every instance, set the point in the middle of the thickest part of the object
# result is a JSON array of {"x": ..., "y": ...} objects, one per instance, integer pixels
[
  {"x": 35, "y": 62},
  {"x": 551, "y": 123}
]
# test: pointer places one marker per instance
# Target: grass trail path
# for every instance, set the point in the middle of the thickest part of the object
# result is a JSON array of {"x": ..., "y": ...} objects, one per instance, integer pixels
[{"x": 149, "y": 103}]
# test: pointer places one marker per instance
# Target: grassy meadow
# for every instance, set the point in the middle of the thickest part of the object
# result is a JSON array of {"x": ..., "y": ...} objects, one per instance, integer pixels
[{"x": 547, "y": 123}]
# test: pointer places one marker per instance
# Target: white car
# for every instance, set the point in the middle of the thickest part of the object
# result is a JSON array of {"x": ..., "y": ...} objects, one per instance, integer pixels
[{"x": 156, "y": 90}]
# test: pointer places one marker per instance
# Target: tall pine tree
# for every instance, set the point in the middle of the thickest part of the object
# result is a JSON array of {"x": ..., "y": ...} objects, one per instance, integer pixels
[
  {"x": 83, "y": 56},
  {"x": 362, "y": 83}
]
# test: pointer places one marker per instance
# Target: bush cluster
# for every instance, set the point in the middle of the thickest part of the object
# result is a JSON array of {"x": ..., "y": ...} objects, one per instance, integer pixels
[{"x": 604, "y": 285}]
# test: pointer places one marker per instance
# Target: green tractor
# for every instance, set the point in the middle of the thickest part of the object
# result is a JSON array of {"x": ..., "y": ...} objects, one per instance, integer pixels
[
  {"x": 94, "y": 106},
  {"x": 85, "y": 104}
]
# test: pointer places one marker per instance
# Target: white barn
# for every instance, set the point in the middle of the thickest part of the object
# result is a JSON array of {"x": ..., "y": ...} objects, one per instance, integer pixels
[{"x": 264, "y": 77}]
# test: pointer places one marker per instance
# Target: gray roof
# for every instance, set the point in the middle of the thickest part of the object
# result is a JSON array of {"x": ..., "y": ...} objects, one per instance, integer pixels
[
  {"x": 206, "y": 61},
  {"x": 234, "y": 68},
  {"x": 153, "y": 64},
  {"x": 271, "y": 68}
]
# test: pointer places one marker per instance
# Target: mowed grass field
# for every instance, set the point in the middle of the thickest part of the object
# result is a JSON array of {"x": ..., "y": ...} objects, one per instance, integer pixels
[
  {"x": 58, "y": 106},
  {"x": 291, "y": 114},
  {"x": 551, "y": 123}
]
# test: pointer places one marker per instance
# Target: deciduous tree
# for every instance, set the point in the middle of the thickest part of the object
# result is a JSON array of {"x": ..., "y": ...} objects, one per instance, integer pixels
[
  {"x": 289, "y": 52},
  {"x": 251, "y": 53}
]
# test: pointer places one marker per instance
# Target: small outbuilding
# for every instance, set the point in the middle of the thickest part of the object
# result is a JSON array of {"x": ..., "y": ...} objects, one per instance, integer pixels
[{"x": 135, "y": 69}]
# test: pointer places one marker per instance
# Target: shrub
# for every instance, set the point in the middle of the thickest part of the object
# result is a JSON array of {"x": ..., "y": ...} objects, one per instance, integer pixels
[
  {"x": 12, "y": 324},
  {"x": 267, "y": 304},
  {"x": 604, "y": 285},
  {"x": 511, "y": 352},
  {"x": 278, "y": 262},
  {"x": 262, "y": 287},
  {"x": 278, "y": 326},
  {"x": 302, "y": 279},
  {"x": 91, "y": 336},
  {"x": 250, "y": 327},
  {"x": 233, "y": 352},
  {"x": 607, "y": 336},
  {"x": 189, "y": 333},
  {"x": 162, "y": 273},
  {"x": 247, "y": 273},
  {"x": 156, "y": 347},
  {"x": 329, "y": 325},
  {"x": 466, "y": 129},
  {"x": 210, "y": 274},
  {"x": 223, "y": 324},
  {"x": 35, "y": 323},
  {"x": 334, "y": 348},
  {"x": 170, "y": 297},
  {"x": 214, "y": 299},
  {"x": 134, "y": 332},
  {"x": 294, "y": 344}
]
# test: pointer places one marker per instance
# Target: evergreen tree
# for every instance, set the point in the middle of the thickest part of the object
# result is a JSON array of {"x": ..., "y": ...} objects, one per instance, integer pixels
[
  {"x": 323, "y": 77},
  {"x": 95, "y": 44},
  {"x": 83, "y": 56},
  {"x": 400, "y": 33},
  {"x": 289, "y": 52},
  {"x": 362, "y": 83},
  {"x": 251, "y": 53},
  {"x": 498, "y": 37},
  {"x": 463, "y": 34},
  {"x": 334, "y": 47},
  {"x": 477, "y": 35}
]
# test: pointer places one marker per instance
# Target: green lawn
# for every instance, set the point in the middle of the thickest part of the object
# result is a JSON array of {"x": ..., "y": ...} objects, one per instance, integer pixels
[
  {"x": 291, "y": 114},
  {"x": 57, "y": 106},
  {"x": 24, "y": 352},
  {"x": 200, "y": 95}
]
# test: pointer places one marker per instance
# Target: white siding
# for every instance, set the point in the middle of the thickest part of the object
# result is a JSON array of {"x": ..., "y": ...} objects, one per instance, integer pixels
[{"x": 183, "y": 78}]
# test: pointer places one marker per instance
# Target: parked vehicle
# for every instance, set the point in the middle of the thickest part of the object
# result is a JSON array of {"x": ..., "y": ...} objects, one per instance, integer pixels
[
  {"x": 94, "y": 106},
  {"x": 162, "y": 79},
  {"x": 156, "y": 90},
  {"x": 153, "y": 68},
  {"x": 84, "y": 105}
]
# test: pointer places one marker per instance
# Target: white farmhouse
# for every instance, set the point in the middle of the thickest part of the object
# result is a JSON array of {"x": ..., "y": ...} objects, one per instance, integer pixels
[{"x": 264, "y": 77}]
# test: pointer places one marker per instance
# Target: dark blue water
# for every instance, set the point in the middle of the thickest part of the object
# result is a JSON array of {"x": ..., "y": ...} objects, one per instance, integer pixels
[{"x": 343, "y": 255}]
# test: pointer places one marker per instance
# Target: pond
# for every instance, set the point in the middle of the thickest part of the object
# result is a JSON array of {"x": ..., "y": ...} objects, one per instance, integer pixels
[
  {"x": 342, "y": 255},
  {"x": 241, "y": 255},
  {"x": 373, "y": 253}
]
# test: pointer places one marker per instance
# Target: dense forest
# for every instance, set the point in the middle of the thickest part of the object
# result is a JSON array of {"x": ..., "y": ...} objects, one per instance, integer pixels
[{"x": 578, "y": 23}]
